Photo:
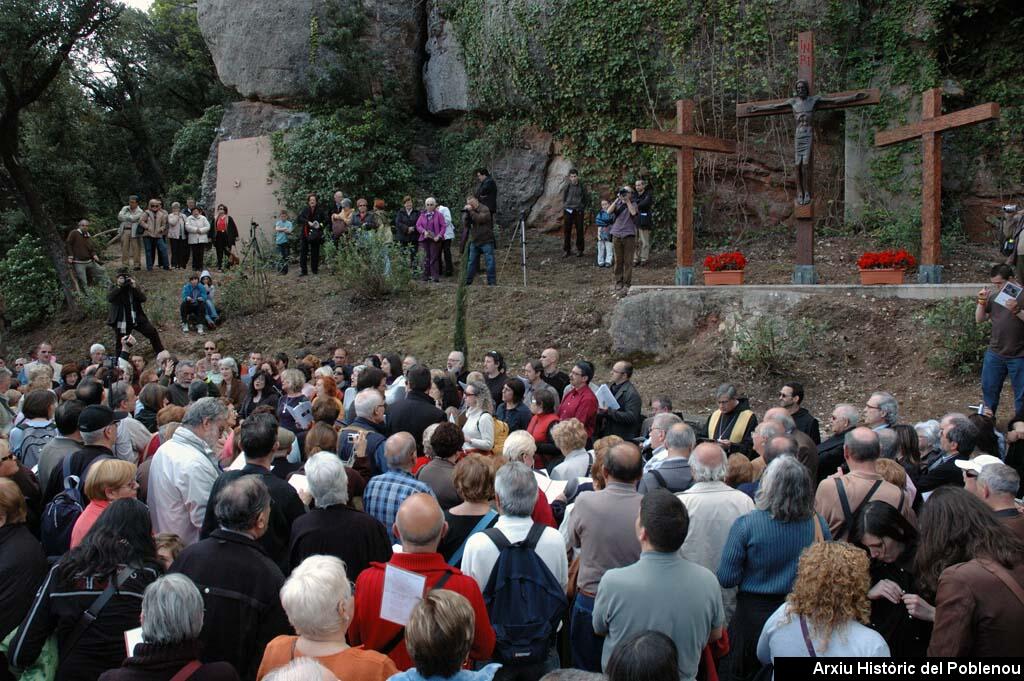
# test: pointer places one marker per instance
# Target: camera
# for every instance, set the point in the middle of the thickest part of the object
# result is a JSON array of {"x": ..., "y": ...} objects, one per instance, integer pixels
[
  {"x": 1011, "y": 208},
  {"x": 624, "y": 191}
]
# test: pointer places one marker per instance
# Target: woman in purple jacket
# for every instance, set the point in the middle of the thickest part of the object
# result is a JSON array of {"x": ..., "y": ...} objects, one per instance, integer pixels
[{"x": 431, "y": 226}]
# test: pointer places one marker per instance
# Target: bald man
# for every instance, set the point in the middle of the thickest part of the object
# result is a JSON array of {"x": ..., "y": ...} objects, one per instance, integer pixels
[
  {"x": 419, "y": 522},
  {"x": 552, "y": 375},
  {"x": 385, "y": 493}
]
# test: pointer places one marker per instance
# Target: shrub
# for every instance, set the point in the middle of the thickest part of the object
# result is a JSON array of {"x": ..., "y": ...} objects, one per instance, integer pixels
[
  {"x": 369, "y": 267},
  {"x": 771, "y": 345},
  {"x": 242, "y": 294},
  {"x": 960, "y": 342},
  {"x": 28, "y": 284}
]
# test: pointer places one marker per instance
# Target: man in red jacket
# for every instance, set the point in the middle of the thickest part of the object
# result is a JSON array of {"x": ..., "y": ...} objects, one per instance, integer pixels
[
  {"x": 420, "y": 526},
  {"x": 580, "y": 402}
]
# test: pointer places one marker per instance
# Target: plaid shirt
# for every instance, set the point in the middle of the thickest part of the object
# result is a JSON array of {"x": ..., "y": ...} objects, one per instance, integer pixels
[{"x": 385, "y": 493}]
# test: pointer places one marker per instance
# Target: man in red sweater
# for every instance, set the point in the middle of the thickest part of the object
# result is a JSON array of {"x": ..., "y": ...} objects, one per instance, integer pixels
[
  {"x": 580, "y": 402},
  {"x": 420, "y": 526}
]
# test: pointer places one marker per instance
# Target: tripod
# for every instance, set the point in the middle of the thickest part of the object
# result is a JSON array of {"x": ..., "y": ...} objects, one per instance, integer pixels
[
  {"x": 520, "y": 229},
  {"x": 253, "y": 254}
]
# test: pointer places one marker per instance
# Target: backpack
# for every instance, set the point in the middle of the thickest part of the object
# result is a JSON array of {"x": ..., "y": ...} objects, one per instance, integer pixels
[
  {"x": 35, "y": 437},
  {"x": 524, "y": 600},
  {"x": 500, "y": 435},
  {"x": 849, "y": 515},
  {"x": 1009, "y": 246},
  {"x": 62, "y": 512}
]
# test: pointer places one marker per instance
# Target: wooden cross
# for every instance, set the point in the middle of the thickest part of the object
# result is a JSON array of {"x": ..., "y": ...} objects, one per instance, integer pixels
[
  {"x": 684, "y": 141},
  {"x": 803, "y": 106},
  {"x": 930, "y": 130}
]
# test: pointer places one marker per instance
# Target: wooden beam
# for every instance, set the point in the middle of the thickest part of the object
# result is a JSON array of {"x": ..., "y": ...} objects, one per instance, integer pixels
[
  {"x": 956, "y": 119},
  {"x": 664, "y": 138},
  {"x": 874, "y": 96}
]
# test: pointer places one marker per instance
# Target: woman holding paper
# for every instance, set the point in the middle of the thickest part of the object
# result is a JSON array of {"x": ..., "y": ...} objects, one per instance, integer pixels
[
  {"x": 317, "y": 598},
  {"x": 292, "y": 382}
]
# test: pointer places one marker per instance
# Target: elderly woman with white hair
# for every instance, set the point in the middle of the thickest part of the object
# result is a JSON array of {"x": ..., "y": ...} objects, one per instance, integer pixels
[
  {"x": 318, "y": 600},
  {"x": 334, "y": 528},
  {"x": 227, "y": 380},
  {"x": 292, "y": 382},
  {"x": 172, "y": 619},
  {"x": 761, "y": 556},
  {"x": 301, "y": 669},
  {"x": 928, "y": 435},
  {"x": 520, "y": 446}
]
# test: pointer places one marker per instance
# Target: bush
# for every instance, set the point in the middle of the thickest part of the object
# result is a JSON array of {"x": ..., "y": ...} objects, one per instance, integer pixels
[
  {"x": 960, "y": 342},
  {"x": 242, "y": 294},
  {"x": 771, "y": 345},
  {"x": 28, "y": 284},
  {"x": 369, "y": 267}
]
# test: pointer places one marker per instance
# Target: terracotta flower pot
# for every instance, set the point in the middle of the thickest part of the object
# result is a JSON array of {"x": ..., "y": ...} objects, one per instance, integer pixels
[
  {"x": 881, "y": 276},
  {"x": 723, "y": 278}
]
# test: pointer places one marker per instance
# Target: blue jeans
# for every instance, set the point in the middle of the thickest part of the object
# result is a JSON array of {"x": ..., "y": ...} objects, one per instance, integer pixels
[
  {"x": 487, "y": 250},
  {"x": 160, "y": 245},
  {"x": 211, "y": 312},
  {"x": 993, "y": 373},
  {"x": 586, "y": 645}
]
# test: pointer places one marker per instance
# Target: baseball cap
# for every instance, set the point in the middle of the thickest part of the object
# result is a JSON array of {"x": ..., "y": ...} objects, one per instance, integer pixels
[
  {"x": 94, "y": 418},
  {"x": 977, "y": 463}
]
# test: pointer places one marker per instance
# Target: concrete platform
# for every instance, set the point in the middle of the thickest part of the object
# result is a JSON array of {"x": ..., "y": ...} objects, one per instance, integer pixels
[{"x": 653, "y": 320}]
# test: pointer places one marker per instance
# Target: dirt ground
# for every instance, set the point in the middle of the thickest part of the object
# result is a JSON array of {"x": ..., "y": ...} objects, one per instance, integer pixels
[{"x": 861, "y": 344}]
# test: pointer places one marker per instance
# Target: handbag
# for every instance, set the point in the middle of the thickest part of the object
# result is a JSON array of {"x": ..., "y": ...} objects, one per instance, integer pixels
[{"x": 93, "y": 611}]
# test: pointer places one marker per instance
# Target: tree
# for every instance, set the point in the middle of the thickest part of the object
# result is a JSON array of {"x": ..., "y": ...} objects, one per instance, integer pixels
[{"x": 36, "y": 41}]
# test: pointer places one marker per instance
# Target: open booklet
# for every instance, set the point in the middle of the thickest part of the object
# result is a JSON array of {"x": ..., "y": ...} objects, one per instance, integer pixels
[
  {"x": 605, "y": 398},
  {"x": 1010, "y": 291}
]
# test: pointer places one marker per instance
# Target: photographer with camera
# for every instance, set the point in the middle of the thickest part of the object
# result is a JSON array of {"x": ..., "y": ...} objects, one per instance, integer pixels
[
  {"x": 624, "y": 229},
  {"x": 311, "y": 223},
  {"x": 1013, "y": 225},
  {"x": 126, "y": 314}
]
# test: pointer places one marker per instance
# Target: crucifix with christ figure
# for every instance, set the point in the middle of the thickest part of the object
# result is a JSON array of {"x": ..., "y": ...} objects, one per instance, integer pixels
[
  {"x": 803, "y": 105},
  {"x": 684, "y": 142},
  {"x": 930, "y": 129}
]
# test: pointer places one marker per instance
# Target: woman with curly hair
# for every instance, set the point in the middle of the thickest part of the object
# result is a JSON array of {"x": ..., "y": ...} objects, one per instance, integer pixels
[
  {"x": 891, "y": 542},
  {"x": 974, "y": 565},
  {"x": 479, "y": 427},
  {"x": 761, "y": 555},
  {"x": 827, "y": 612},
  {"x": 261, "y": 391}
]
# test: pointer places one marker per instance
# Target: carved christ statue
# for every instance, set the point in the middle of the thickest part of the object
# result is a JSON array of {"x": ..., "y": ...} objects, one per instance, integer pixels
[{"x": 803, "y": 105}]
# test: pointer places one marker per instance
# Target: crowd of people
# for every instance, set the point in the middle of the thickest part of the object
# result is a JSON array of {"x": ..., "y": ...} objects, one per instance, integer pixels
[
  {"x": 367, "y": 518},
  {"x": 172, "y": 239}
]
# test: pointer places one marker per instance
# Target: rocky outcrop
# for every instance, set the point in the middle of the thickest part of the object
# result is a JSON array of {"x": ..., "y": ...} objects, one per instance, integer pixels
[
  {"x": 271, "y": 52},
  {"x": 546, "y": 214},
  {"x": 444, "y": 72},
  {"x": 519, "y": 172},
  {"x": 241, "y": 120}
]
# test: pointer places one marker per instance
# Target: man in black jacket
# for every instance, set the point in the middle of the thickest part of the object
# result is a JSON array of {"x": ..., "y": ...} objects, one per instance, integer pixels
[
  {"x": 361, "y": 442},
  {"x": 239, "y": 582},
  {"x": 258, "y": 436},
  {"x": 417, "y": 411},
  {"x": 126, "y": 314},
  {"x": 791, "y": 398},
  {"x": 644, "y": 222},
  {"x": 830, "y": 452},
  {"x": 627, "y": 419},
  {"x": 487, "y": 191},
  {"x": 574, "y": 204},
  {"x": 957, "y": 443}
]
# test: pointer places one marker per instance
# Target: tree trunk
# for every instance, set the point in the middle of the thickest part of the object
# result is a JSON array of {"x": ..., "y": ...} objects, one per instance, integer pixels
[{"x": 44, "y": 227}]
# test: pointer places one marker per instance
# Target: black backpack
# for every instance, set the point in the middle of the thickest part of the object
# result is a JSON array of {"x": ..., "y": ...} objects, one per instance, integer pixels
[
  {"x": 524, "y": 600},
  {"x": 60, "y": 514}
]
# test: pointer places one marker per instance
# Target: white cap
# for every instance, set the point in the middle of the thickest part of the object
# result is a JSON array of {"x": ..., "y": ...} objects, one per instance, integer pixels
[{"x": 977, "y": 463}]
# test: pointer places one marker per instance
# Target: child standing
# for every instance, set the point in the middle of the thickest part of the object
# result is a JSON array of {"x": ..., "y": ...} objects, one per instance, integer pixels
[
  {"x": 604, "y": 222},
  {"x": 282, "y": 230}
]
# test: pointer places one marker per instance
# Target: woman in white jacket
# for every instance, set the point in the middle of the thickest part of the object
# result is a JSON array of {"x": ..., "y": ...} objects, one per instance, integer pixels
[
  {"x": 198, "y": 228},
  {"x": 479, "y": 428}
]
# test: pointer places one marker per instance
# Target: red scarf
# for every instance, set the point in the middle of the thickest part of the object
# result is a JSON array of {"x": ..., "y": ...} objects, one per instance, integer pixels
[{"x": 222, "y": 223}]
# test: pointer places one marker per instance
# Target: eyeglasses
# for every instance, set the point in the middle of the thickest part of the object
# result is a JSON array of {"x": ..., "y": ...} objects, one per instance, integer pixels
[
  {"x": 469, "y": 394},
  {"x": 969, "y": 474}
]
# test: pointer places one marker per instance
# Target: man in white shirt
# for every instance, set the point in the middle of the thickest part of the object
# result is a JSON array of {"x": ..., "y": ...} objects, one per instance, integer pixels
[
  {"x": 515, "y": 493},
  {"x": 184, "y": 470},
  {"x": 713, "y": 507}
]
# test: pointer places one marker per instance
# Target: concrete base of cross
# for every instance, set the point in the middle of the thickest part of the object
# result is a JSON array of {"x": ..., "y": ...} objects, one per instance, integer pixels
[
  {"x": 929, "y": 274},
  {"x": 684, "y": 276},
  {"x": 804, "y": 274}
]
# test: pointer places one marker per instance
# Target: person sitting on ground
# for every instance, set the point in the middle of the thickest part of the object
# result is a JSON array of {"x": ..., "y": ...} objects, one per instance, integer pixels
[
  {"x": 318, "y": 600},
  {"x": 172, "y": 619},
  {"x": 193, "y": 304},
  {"x": 828, "y": 610},
  {"x": 212, "y": 316}
]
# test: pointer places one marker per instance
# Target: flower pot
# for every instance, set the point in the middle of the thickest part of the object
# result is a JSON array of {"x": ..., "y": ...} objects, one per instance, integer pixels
[
  {"x": 723, "y": 278},
  {"x": 881, "y": 276}
]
